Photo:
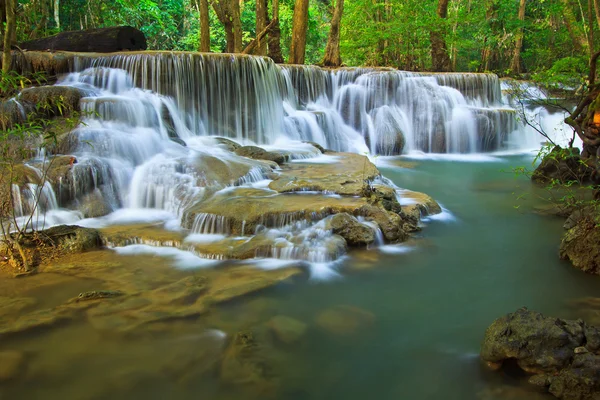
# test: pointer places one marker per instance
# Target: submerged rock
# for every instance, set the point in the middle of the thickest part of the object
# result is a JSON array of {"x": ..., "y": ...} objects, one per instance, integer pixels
[
  {"x": 560, "y": 354},
  {"x": 246, "y": 362},
  {"x": 344, "y": 320},
  {"x": 12, "y": 363},
  {"x": 580, "y": 244},
  {"x": 287, "y": 330}
]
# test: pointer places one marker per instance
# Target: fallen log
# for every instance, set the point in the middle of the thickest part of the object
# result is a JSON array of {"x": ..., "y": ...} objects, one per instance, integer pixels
[{"x": 101, "y": 40}]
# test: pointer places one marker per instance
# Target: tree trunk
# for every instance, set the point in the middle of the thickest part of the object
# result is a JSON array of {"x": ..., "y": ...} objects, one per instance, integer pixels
[
  {"x": 10, "y": 7},
  {"x": 57, "y": 14},
  {"x": 237, "y": 26},
  {"x": 597, "y": 10},
  {"x": 578, "y": 38},
  {"x": 440, "y": 60},
  {"x": 262, "y": 20},
  {"x": 275, "y": 36},
  {"x": 332, "y": 50},
  {"x": 204, "y": 26},
  {"x": 2, "y": 20},
  {"x": 101, "y": 40},
  {"x": 299, "y": 27},
  {"x": 515, "y": 64},
  {"x": 226, "y": 11}
]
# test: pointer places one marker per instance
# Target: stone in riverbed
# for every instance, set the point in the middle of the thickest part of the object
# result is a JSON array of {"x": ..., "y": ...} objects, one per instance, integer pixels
[
  {"x": 344, "y": 320},
  {"x": 287, "y": 330},
  {"x": 348, "y": 227},
  {"x": 560, "y": 354},
  {"x": 12, "y": 363}
]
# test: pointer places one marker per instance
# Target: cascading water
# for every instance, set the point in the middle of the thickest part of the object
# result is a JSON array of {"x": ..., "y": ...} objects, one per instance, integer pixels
[{"x": 146, "y": 145}]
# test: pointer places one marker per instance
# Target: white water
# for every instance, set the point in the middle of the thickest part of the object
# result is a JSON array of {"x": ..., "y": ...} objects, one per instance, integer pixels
[{"x": 146, "y": 150}]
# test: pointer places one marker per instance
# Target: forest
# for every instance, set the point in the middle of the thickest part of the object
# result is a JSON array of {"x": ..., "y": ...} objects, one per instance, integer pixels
[{"x": 549, "y": 39}]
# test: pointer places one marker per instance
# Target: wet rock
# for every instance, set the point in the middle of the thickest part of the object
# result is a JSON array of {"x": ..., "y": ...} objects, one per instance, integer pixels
[
  {"x": 228, "y": 144},
  {"x": 287, "y": 330},
  {"x": 344, "y": 320},
  {"x": 317, "y": 145},
  {"x": 562, "y": 165},
  {"x": 258, "y": 153},
  {"x": 580, "y": 245},
  {"x": 53, "y": 100},
  {"x": 348, "y": 175},
  {"x": 12, "y": 363},
  {"x": 242, "y": 210},
  {"x": 245, "y": 362},
  {"x": 391, "y": 224},
  {"x": 419, "y": 204},
  {"x": 348, "y": 227},
  {"x": 12, "y": 306},
  {"x": 93, "y": 205},
  {"x": 561, "y": 354},
  {"x": 98, "y": 295},
  {"x": 72, "y": 238}
]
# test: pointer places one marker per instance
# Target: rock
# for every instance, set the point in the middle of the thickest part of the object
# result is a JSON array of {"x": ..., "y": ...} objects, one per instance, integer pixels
[
  {"x": 580, "y": 245},
  {"x": 72, "y": 238},
  {"x": 246, "y": 362},
  {"x": 178, "y": 141},
  {"x": 287, "y": 330},
  {"x": 390, "y": 138},
  {"x": 98, "y": 294},
  {"x": 348, "y": 227},
  {"x": 258, "y": 153},
  {"x": 344, "y": 320},
  {"x": 53, "y": 100},
  {"x": 348, "y": 175},
  {"x": 560, "y": 354},
  {"x": 93, "y": 205},
  {"x": 227, "y": 143},
  {"x": 317, "y": 145},
  {"x": 562, "y": 165},
  {"x": 12, "y": 363},
  {"x": 391, "y": 224}
]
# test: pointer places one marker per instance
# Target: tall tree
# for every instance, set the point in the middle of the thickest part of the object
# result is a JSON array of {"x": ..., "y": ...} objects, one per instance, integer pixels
[
  {"x": 262, "y": 20},
  {"x": 228, "y": 12},
  {"x": 332, "y": 56},
  {"x": 515, "y": 64},
  {"x": 202, "y": 6},
  {"x": 440, "y": 60},
  {"x": 57, "y": 13},
  {"x": 274, "y": 40},
  {"x": 9, "y": 33},
  {"x": 577, "y": 36},
  {"x": 299, "y": 28}
]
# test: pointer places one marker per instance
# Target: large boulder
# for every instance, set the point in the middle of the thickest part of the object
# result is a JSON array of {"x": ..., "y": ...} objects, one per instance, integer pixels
[
  {"x": 580, "y": 243},
  {"x": 561, "y": 355}
]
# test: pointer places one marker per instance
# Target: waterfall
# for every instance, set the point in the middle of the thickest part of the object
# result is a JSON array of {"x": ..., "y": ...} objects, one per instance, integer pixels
[
  {"x": 380, "y": 110},
  {"x": 151, "y": 143}
]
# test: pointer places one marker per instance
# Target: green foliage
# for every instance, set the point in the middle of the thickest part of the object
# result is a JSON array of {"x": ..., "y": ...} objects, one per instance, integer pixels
[
  {"x": 565, "y": 72},
  {"x": 479, "y": 35}
]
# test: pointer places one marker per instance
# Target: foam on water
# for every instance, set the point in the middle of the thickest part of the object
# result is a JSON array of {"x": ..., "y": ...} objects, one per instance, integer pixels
[{"x": 182, "y": 259}]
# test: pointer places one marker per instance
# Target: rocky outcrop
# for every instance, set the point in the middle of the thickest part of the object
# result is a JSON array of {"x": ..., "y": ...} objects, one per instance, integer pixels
[
  {"x": 561, "y": 355},
  {"x": 580, "y": 243},
  {"x": 53, "y": 100},
  {"x": 562, "y": 165}
]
